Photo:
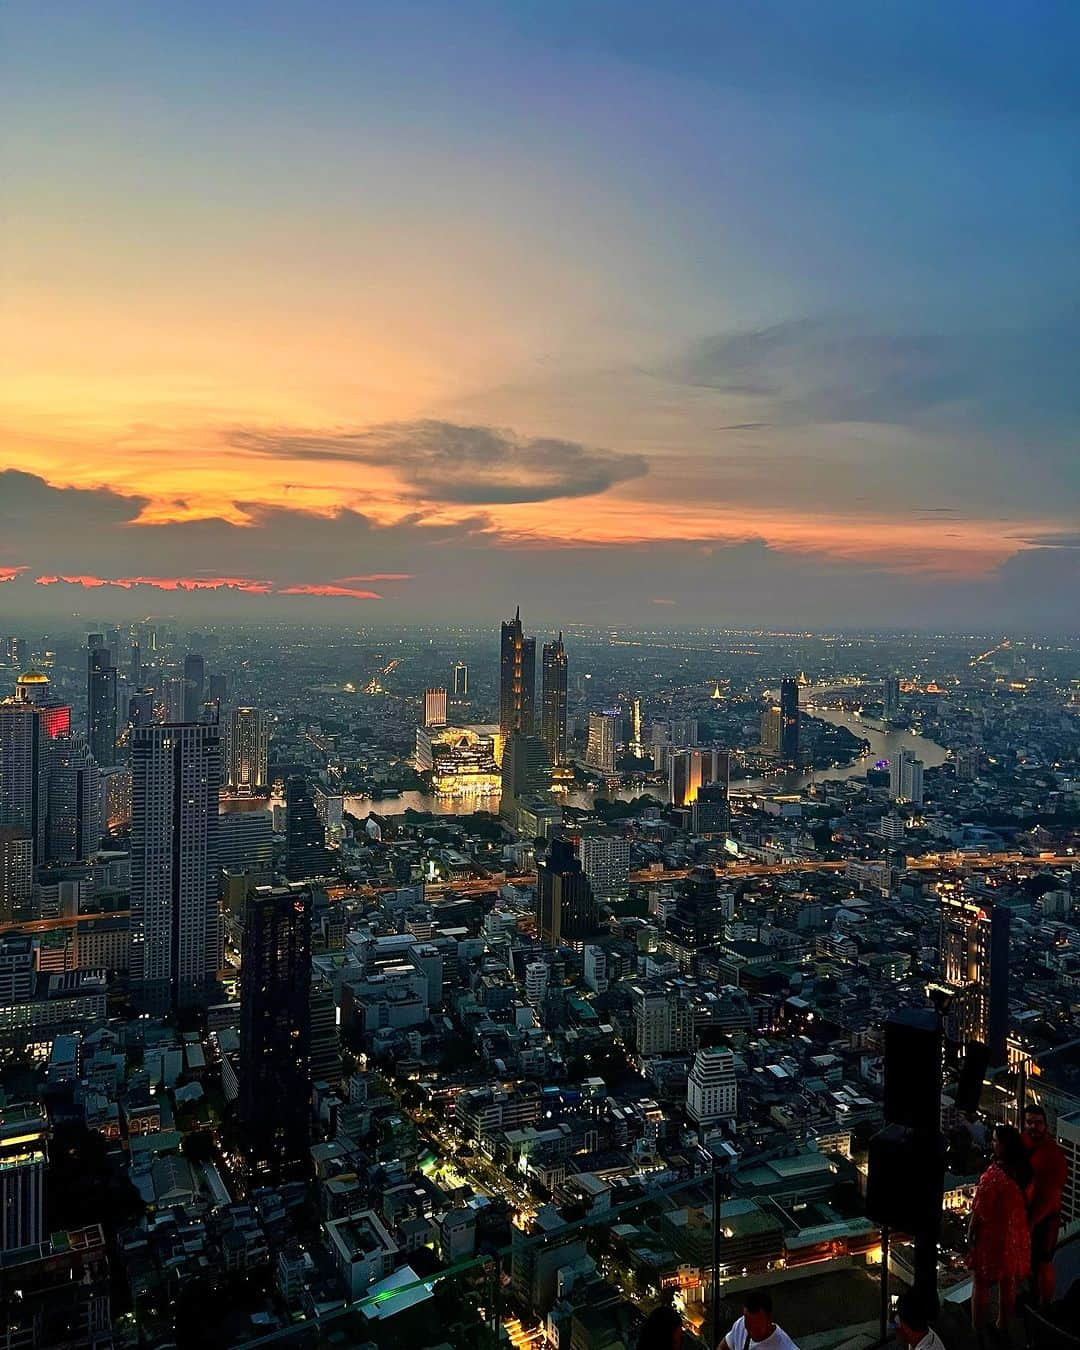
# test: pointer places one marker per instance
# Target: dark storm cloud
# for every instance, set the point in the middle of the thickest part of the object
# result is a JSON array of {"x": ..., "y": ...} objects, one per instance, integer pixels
[{"x": 464, "y": 465}]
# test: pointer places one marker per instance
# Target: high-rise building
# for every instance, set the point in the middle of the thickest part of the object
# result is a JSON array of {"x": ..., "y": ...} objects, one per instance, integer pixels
[
  {"x": 605, "y": 859},
  {"x": 525, "y": 769},
  {"x": 460, "y": 684},
  {"x": 246, "y": 844},
  {"x": 24, "y": 1134},
  {"x": 101, "y": 700},
  {"x": 663, "y": 1022},
  {"x": 140, "y": 710},
  {"x": 692, "y": 769},
  {"x": 14, "y": 652},
  {"x": 968, "y": 763},
  {"x": 537, "y": 974},
  {"x": 710, "y": 1087},
  {"x": 891, "y": 696},
  {"x": 567, "y": 911},
  {"x": 173, "y": 698},
  {"x": 134, "y": 665},
  {"x": 29, "y": 723},
  {"x": 604, "y": 728},
  {"x": 553, "y": 701},
  {"x": 73, "y": 827},
  {"x": 771, "y": 728},
  {"x": 711, "y": 809},
  {"x": 975, "y": 961},
  {"x": 325, "y": 1040},
  {"x": 275, "y": 1031},
  {"x": 248, "y": 751},
  {"x": 16, "y": 872},
  {"x": 517, "y": 680},
  {"x": 434, "y": 708},
  {"x": 906, "y": 778},
  {"x": 1068, "y": 1136},
  {"x": 637, "y": 747},
  {"x": 789, "y": 720},
  {"x": 194, "y": 687},
  {"x": 175, "y": 922},
  {"x": 306, "y": 854},
  {"x": 595, "y": 969}
]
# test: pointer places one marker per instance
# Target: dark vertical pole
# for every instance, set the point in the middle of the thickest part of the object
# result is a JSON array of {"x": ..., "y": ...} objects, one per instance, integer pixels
[
  {"x": 715, "y": 1292},
  {"x": 884, "y": 1281},
  {"x": 1021, "y": 1096}
]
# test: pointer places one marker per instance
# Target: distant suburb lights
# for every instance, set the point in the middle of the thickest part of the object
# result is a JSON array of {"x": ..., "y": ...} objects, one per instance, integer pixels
[{"x": 341, "y": 588}]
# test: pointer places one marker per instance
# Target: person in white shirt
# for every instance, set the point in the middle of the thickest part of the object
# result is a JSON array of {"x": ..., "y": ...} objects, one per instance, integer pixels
[
  {"x": 912, "y": 1325},
  {"x": 755, "y": 1329}
]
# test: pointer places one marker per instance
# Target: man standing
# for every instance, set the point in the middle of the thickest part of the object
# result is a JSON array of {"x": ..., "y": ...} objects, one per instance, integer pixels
[
  {"x": 1050, "y": 1170},
  {"x": 755, "y": 1329},
  {"x": 912, "y": 1327}
]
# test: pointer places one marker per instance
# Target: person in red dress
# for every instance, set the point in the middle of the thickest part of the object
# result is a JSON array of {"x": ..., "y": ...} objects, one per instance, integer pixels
[{"x": 999, "y": 1241}]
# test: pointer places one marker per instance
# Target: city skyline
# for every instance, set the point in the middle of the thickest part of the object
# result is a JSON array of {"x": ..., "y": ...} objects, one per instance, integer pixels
[{"x": 682, "y": 319}]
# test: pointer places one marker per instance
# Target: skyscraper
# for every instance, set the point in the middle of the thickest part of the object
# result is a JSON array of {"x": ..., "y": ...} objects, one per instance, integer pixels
[
  {"x": 434, "y": 708},
  {"x": 517, "y": 680},
  {"x": 604, "y": 728},
  {"x": 194, "y": 686},
  {"x": 692, "y": 769},
  {"x": 525, "y": 770},
  {"x": 24, "y": 1133},
  {"x": 73, "y": 828},
  {"x": 553, "y": 701},
  {"x": 175, "y": 925},
  {"x": 306, "y": 854},
  {"x": 975, "y": 960},
  {"x": 891, "y": 698},
  {"x": 141, "y": 708},
  {"x": 460, "y": 685},
  {"x": 28, "y": 723},
  {"x": 101, "y": 700},
  {"x": 248, "y": 752},
  {"x": 906, "y": 778},
  {"x": 275, "y": 1031},
  {"x": 567, "y": 912},
  {"x": 711, "y": 814},
  {"x": 16, "y": 871},
  {"x": 789, "y": 720}
]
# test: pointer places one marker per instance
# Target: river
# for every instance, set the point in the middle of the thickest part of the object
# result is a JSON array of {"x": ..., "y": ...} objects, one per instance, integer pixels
[{"x": 885, "y": 743}]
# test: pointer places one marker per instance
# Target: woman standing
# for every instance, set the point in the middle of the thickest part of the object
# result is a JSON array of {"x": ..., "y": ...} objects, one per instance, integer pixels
[{"x": 999, "y": 1243}]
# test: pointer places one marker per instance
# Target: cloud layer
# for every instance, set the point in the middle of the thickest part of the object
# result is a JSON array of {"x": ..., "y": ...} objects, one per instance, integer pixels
[{"x": 462, "y": 465}]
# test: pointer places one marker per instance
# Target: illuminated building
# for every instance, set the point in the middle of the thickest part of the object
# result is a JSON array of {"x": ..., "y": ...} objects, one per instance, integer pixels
[
  {"x": 770, "y": 728},
  {"x": 460, "y": 681},
  {"x": 567, "y": 913},
  {"x": 692, "y": 769},
  {"x": 604, "y": 728},
  {"x": 248, "y": 751},
  {"x": 975, "y": 962},
  {"x": 275, "y": 1010},
  {"x": 73, "y": 828},
  {"x": 194, "y": 686},
  {"x": 637, "y": 748},
  {"x": 461, "y": 760},
  {"x": 434, "y": 707},
  {"x": 553, "y": 702},
  {"x": 605, "y": 859},
  {"x": 140, "y": 711},
  {"x": 101, "y": 700},
  {"x": 175, "y": 925},
  {"x": 789, "y": 720},
  {"x": 173, "y": 694},
  {"x": 116, "y": 799},
  {"x": 517, "y": 679},
  {"x": 710, "y": 1087},
  {"x": 24, "y": 1133}
]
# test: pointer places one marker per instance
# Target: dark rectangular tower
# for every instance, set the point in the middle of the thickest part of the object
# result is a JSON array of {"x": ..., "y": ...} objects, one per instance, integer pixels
[
  {"x": 517, "y": 680},
  {"x": 553, "y": 702}
]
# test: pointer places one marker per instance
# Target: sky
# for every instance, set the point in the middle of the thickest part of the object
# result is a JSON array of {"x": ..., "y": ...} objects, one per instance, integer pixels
[{"x": 748, "y": 313}]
